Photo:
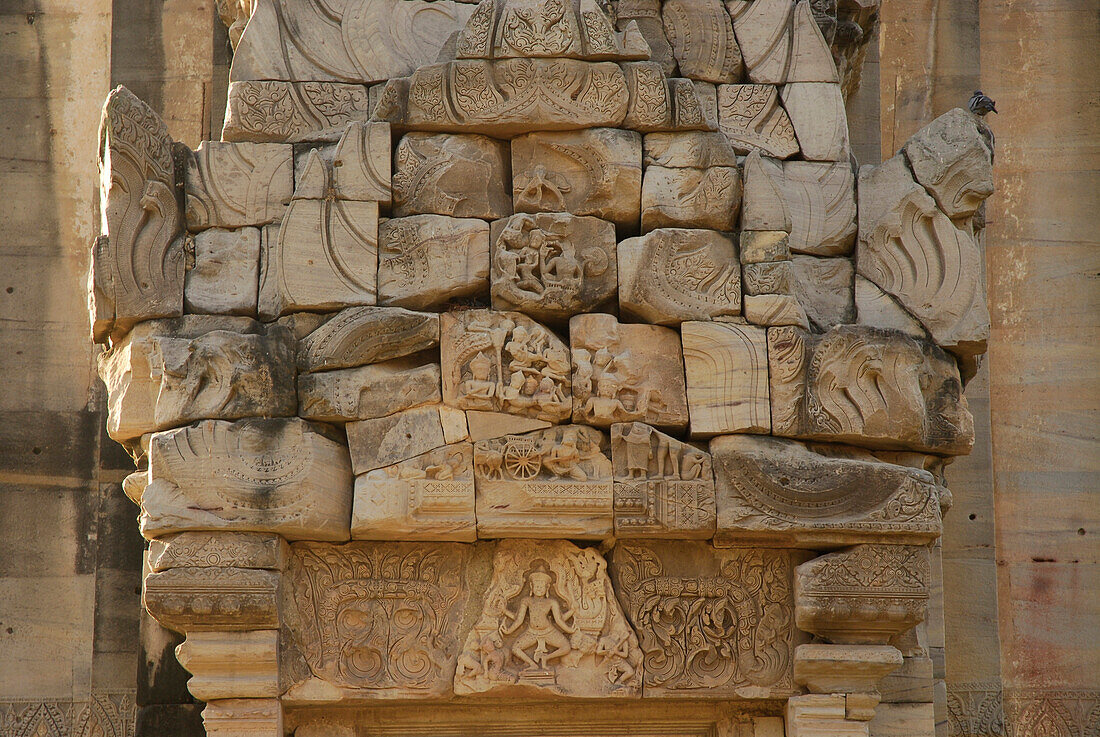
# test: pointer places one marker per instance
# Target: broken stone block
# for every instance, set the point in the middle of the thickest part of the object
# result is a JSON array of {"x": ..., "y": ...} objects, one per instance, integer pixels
[
  {"x": 548, "y": 483},
  {"x": 360, "y": 335},
  {"x": 952, "y": 160},
  {"x": 361, "y": 163},
  {"x": 218, "y": 548},
  {"x": 206, "y": 598},
  {"x": 770, "y": 310},
  {"x": 816, "y": 110},
  {"x": 702, "y": 40},
  {"x": 231, "y": 664},
  {"x": 552, "y": 265},
  {"x": 846, "y": 669},
  {"x": 626, "y": 373},
  {"x": 650, "y": 107},
  {"x": 594, "y": 172},
  {"x": 646, "y": 14},
  {"x": 425, "y": 261},
  {"x": 384, "y": 441},
  {"x": 504, "y": 362},
  {"x": 551, "y": 625},
  {"x": 226, "y": 276},
  {"x": 138, "y": 262},
  {"x": 257, "y": 475},
  {"x": 459, "y": 175},
  {"x": 781, "y": 42},
  {"x": 289, "y": 112},
  {"x": 414, "y": 595},
  {"x": 878, "y": 309},
  {"x": 663, "y": 488},
  {"x": 681, "y": 597},
  {"x": 689, "y": 150},
  {"x": 485, "y": 425},
  {"x": 368, "y": 392},
  {"x": 761, "y": 246},
  {"x": 691, "y": 198},
  {"x": 727, "y": 378},
  {"x": 764, "y": 208},
  {"x": 426, "y": 497},
  {"x": 781, "y": 492},
  {"x": 887, "y": 596},
  {"x": 767, "y": 277},
  {"x": 820, "y": 390},
  {"x": 824, "y": 288},
  {"x": 753, "y": 120},
  {"x": 455, "y": 428},
  {"x": 324, "y": 256},
  {"x": 674, "y": 274},
  {"x": 233, "y": 185}
]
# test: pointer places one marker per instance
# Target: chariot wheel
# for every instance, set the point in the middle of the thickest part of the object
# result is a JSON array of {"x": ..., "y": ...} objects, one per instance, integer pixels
[{"x": 522, "y": 459}]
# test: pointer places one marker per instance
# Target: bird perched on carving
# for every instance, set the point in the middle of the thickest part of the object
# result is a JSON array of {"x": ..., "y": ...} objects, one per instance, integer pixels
[{"x": 981, "y": 104}]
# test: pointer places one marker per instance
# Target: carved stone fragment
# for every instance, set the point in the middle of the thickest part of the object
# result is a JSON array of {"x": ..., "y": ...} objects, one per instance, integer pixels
[
  {"x": 485, "y": 425},
  {"x": 225, "y": 279},
  {"x": 138, "y": 262},
  {"x": 753, "y": 120},
  {"x": 209, "y": 598},
  {"x": 378, "y": 620},
  {"x": 256, "y": 475},
  {"x": 702, "y": 40},
  {"x": 864, "y": 595},
  {"x": 231, "y": 664},
  {"x": 816, "y": 110},
  {"x": 760, "y": 246},
  {"x": 711, "y": 623},
  {"x": 425, "y": 261},
  {"x": 689, "y": 150},
  {"x": 952, "y": 160},
  {"x": 232, "y": 185},
  {"x": 824, "y": 288},
  {"x": 428, "y": 497},
  {"x": 780, "y": 492},
  {"x": 504, "y": 362},
  {"x": 770, "y": 310},
  {"x": 462, "y": 176},
  {"x": 691, "y": 198},
  {"x": 646, "y": 14},
  {"x": 357, "y": 41},
  {"x": 547, "y": 483},
  {"x": 727, "y": 378},
  {"x": 876, "y": 308},
  {"x": 670, "y": 104},
  {"x": 384, "y": 441},
  {"x": 513, "y": 96},
  {"x": 767, "y": 277},
  {"x": 361, "y": 335},
  {"x": 592, "y": 172},
  {"x": 781, "y": 42},
  {"x": 324, "y": 256},
  {"x": 869, "y": 387},
  {"x": 289, "y": 112},
  {"x": 551, "y": 625},
  {"x": 626, "y": 373},
  {"x": 243, "y": 718},
  {"x": 552, "y": 265},
  {"x": 218, "y": 548},
  {"x": 365, "y": 392},
  {"x": 361, "y": 163},
  {"x": 663, "y": 488},
  {"x": 673, "y": 274}
]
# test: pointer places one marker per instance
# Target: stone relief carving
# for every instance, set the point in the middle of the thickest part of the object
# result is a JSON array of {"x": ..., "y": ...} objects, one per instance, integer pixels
[
  {"x": 357, "y": 336},
  {"x": 702, "y": 40},
  {"x": 462, "y": 176},
  {"x": 550, "y": 625},
  {"x": 230, "y": 185},
  {"x": 101, "y": 714},
  {"x": 213, "y": 598},
  {"x": 289, "y": 112},
  {"x": 426, "y": 261},
  {"x": 753, "y": 120}
]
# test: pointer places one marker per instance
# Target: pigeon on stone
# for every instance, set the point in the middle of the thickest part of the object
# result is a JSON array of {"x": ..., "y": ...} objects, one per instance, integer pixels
[{"x": 980, "y": 104}]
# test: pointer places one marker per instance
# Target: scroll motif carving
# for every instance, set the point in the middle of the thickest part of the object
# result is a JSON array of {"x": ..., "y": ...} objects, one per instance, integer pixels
[
  {"x": 752, "y": 119},
  {"x": 550, "y": 625},
  {"x": 426, "y": 261},
  {"x": 702, "y": 40},
  {"x": 362, "y": 335},
  {"x": 711, "y": 623},
  {"x": 233, "y": 599},
  {"x": 288, "y": 112},
  {"x": 230, "y": 185},
  {"x": 379, "y": 617},
  {"x": 462, "y": 176}
]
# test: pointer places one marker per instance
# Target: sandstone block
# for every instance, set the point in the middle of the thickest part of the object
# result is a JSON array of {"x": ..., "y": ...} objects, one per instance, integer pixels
[
  {"x": 231, "y": 664},
  {"x": 384, "y": 441},
  {"x": 225, "y": 279},
  {"x": 361, "y": 163},
  {"x": 760, "y": 246},
  {"x": 646, "y": 14},
  {"x": 816, "y": 110},
  {"x": 459, "y": 175},
  {"x": 674, "y": 274},
  {"x": 727, "y": 384},
  {"x": 691, "y": 198},
  {"x": 594, "y": 172},
  {"x": 663, "y": 488},
  {"x": 824, "y": 288},
  {"x": 233, "y": 185},
  {"x": 764, "y": 208},
  {"x": 218, "y": 548},
  {"x": 876, "y": 308},
  {"x": 504, "y": 362},
  {"x": 821, "y": 715},
  {"x": 282, "y": 476},
  {"x": 767, "y": 277},
  {"x": 551, "y": 483},
  {"x": 781, "y": 42},
  {"x": 426, "y": 497},
  {"x": 844, "y": 669},
  {"x": 247, "y": 717},
  {"x": 203, "y": 599},
  {"x": 424, "y": 261},
  {"x": 952, "y": 160},
  {"x": 455, "y": 427},
  {"x": 753, "y": 120},
  {"x": 553, "y": 265},
  {"x": 626, "y": 373},
  {"x": 780, "y": 492},
  {"x": 485, "y": 425},
  {"x": 690, "y": 150},
  {"x": 702, "y": 39},
  {"x": 551, "y": 625},
  {"x": 367, "y": 392},
  {"x": 361, "y": 335},
  {"x": 680, "y": 596},
  {"x": 887, "y": 596},
  {"x": 770, "y": 310},
  {"x": 324, "y": 256},
  {"x": 289, "y": 112},
  {"x": 819, "y": 390}
]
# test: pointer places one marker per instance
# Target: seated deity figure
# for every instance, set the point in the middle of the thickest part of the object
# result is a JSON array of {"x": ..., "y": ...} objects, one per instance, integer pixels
[
  {"x": 547, "y": 626},
  {"x": 564, "y": 458},
  {"x": 479, "y": 386}
]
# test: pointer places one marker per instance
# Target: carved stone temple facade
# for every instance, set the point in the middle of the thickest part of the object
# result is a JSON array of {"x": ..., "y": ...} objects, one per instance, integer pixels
[{"x": 550, "y": 367}]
